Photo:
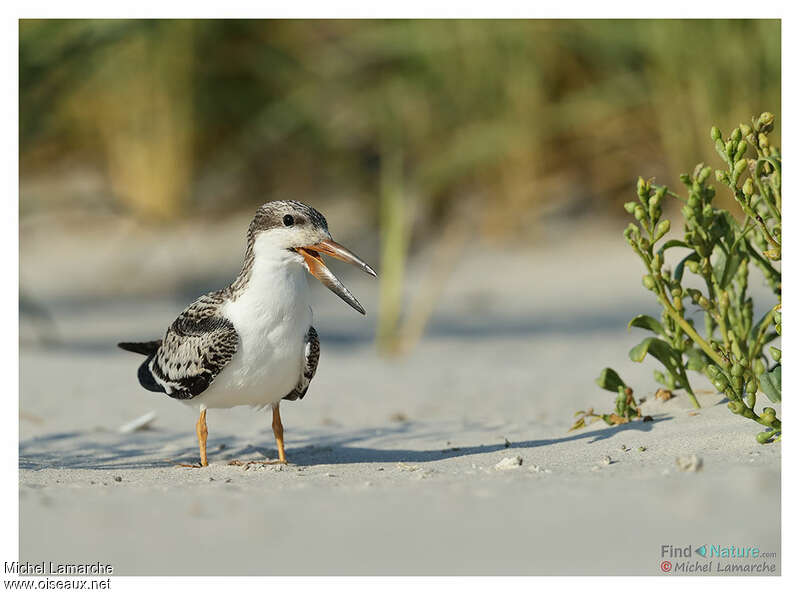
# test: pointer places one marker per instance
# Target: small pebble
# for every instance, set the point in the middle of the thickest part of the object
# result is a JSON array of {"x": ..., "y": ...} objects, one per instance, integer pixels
[
  {"x": 606, "y": 460},
  {"x": 117, "y": 478},
  {"x": 642, "y": 448},
  {"x": 509, "y": 463}
]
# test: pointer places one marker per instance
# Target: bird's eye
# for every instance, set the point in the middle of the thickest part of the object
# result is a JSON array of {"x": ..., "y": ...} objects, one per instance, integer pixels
[{"x": 288, "y": 220}]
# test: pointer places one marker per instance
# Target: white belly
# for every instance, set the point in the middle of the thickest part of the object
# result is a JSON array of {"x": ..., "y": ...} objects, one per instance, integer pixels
[{"x": 272, "y": 318}]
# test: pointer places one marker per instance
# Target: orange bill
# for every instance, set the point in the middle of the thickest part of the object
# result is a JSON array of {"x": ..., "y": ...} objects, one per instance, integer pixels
[{"x": 316, "y": 266}]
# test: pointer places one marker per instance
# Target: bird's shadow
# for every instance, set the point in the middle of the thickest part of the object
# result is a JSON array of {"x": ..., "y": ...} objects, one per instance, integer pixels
[{"x": 159, "y": 449}]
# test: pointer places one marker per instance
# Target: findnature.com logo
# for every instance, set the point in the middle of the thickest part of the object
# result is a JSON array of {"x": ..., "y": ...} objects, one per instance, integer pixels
[{"x": 717, "y": 559}]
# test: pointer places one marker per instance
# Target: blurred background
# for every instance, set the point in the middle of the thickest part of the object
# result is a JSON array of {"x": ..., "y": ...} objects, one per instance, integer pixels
[{"x": 420, "y": 133}]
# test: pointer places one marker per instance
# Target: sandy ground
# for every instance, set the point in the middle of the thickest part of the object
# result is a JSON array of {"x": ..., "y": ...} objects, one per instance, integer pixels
[{"x": 393, "y": 461}]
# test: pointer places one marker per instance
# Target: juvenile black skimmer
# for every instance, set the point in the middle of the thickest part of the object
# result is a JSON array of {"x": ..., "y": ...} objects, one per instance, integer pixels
[{"x": 252, "y": 342}]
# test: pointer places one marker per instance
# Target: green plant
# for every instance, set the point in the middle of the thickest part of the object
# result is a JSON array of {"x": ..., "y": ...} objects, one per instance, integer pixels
[
  {"x": 625, "y": 407},
  {"x": 722, "y": 251}
]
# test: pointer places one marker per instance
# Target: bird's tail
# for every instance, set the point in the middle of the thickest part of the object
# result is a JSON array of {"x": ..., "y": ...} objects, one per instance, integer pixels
[{"x": 148, "y": 348}]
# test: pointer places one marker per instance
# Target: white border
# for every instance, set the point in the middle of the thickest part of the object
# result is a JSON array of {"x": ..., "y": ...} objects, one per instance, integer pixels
[{"x": 413, "y": 8}]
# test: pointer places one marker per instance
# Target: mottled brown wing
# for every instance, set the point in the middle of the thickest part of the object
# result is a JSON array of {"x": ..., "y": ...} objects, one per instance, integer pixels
[{"x": 195, "y": 348}]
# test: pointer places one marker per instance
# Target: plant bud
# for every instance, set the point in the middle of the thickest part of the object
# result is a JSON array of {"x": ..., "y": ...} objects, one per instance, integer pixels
[
  {"x": 737, "y": 370},
  {"x": 715, "y": 134},
  {"x": 741, "y": 149},
  {"x": 720, "y": 383},
  {"x": 644, "y": 244},
  {"x": 722, "y": 176},
  {"x": 763, "y": 141},
  {"x": 730, "y": 147},
  {"x": 642, "y": 188},
  {"x": 736, "y": 135},
  {"x": 662, "y": 228},
  {"x": 639, "y": 213},
  {"x": 763, "y": 437},
  {"x": 649, "y": 282},
  {"x": 745, "y": 128},
  {"x": 737, "y": 407},
  {"x": 655, "y": 213},
  {"x": 686, "y": 179},
  {"x": 758, "y": 367},
  {"x": 708, "y": 211},
  {"x": 738, "y": 169},
  {"x": 751, "y": 387},
  {"x": 704, "y": 173},
  {"x": 775, "y": 353},
  {"x": 737, "y": 384},
  {"x": 768, "y": 416},
  {"x": 765, "y": 121},
  {"x": 747, "y": 187},
  {"x": 693, "y": 266},
  {"x": 658, "y": 262},
  {"x": 630, "y": 206}
]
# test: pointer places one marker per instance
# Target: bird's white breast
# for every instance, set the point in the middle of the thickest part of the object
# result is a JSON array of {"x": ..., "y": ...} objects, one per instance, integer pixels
[{"x": 271, "y": 316}]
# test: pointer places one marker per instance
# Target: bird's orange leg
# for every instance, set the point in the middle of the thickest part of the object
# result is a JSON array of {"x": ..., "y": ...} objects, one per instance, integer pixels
[
  {"x": 277, "y": 429},
  {"x": 202, "y": 436}
]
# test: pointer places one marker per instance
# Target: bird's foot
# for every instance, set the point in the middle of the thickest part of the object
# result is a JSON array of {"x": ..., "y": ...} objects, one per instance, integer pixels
[{"x": 238, "y": 463}]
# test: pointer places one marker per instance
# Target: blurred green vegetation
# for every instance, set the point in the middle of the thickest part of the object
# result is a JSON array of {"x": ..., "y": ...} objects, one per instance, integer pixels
[{"x": 413, "y": 118}]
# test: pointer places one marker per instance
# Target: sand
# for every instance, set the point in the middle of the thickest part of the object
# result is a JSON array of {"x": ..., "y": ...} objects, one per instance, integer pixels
[{"x": 394, "y": 461}]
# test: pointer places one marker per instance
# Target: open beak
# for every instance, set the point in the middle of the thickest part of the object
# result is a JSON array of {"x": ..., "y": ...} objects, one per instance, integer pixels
[{"x": 316, "y": 266}]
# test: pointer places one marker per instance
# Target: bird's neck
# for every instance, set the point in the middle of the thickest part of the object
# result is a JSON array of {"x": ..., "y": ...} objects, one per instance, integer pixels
[{"x": 270, "y": 273}]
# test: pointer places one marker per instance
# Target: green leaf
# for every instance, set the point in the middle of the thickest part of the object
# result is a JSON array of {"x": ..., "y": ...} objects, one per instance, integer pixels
[
  {"x": 661, "y": 350},
  {"x": 647, "y": 322},
  {"x": 757, "y": 325},
  {"x": 672, "y": 244},
  {"x": 610, "y": 380},
  {"x": 720, "y": 257},
  {"x": 578, "y": 424},
  {"x": 697, "y": 359},
  {"x": 771, "y": 384},
  {"x": 678, "y": 274},
  {"x": 731, "y": 266}
]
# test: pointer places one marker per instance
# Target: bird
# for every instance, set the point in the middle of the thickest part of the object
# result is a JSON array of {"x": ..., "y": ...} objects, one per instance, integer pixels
[{"x": 252, "y": 342}]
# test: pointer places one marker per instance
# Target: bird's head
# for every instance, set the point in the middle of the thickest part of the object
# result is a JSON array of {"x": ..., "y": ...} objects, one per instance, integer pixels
[{"x": 301, "y": 231}]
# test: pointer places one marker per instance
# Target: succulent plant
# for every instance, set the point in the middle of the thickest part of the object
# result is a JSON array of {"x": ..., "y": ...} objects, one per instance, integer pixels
[{"x": 720, "y": 252}]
